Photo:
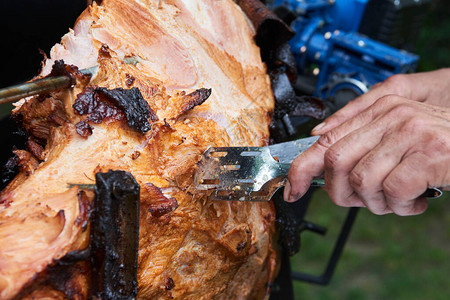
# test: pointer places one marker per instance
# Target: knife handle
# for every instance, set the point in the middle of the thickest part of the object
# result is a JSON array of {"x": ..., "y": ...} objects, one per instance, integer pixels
[{"x": 430, "y": 193}]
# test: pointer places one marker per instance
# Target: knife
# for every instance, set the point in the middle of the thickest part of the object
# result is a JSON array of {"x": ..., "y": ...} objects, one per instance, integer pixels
[{"x": 254, "y": 173}]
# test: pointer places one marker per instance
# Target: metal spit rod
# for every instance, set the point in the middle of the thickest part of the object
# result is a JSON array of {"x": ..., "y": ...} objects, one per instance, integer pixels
[
  {"x": 43, "y": 85},
  {"x": 48, "y": 84},
  {"x": 27, "y": 89}
]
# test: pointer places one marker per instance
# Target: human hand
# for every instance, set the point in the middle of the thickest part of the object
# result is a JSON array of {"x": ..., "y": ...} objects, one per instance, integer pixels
[
  {"x": 382, "y": 158},
  {"x": 428, "y": 87}
]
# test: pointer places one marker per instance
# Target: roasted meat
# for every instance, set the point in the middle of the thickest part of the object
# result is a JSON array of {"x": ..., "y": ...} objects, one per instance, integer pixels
[{"x": 174, "y": 77}]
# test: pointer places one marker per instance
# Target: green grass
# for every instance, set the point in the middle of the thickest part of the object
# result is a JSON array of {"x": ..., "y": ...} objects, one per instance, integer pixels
[
  {"x": 433, "y": 45},
  {"x": 386, "y": 257}
]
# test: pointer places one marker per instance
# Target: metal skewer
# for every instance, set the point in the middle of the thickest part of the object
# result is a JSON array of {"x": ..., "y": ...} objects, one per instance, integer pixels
[
  {"x": 27, "y": 89},
  {"x": 48, "y": 84}
]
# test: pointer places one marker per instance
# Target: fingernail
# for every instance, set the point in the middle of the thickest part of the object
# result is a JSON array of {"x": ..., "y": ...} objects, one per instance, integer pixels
[
  {"x": 320, "y": 126},
  {"x": 293, "y": 198},
  {"x": 287, "y": 191}
]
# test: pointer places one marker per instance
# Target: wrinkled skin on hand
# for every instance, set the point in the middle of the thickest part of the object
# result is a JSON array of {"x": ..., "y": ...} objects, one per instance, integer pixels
[{"x": 384, "y": 148}]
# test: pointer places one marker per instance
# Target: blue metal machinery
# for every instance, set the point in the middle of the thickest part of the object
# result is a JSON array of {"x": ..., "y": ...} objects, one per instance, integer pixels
[{"x": 328, "y": 48}]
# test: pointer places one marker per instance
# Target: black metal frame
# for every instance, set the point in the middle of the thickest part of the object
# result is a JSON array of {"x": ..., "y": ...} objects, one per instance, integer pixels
[
  {"x": 282, "y": 288},
  {"x": 326, "y": 276}
]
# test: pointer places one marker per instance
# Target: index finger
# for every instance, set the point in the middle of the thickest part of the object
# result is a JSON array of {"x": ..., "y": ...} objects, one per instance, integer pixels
[{"x": 303, "y": 169}]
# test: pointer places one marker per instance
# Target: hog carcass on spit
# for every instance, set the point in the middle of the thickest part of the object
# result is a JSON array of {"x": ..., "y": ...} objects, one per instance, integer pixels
[{"x": 197, "y": 67}]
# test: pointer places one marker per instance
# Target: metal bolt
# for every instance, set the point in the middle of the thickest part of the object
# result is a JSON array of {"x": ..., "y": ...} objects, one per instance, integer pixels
[
  {"x": 303, "y": 49},
  {"x": 327, "y": 35},
  {"x": 316, "y": 71},
  {"x": 361, "y": 43}
]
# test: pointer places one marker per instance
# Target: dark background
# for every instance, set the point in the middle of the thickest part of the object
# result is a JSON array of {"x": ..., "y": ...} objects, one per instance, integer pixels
[{"x": 28, "y": 26}]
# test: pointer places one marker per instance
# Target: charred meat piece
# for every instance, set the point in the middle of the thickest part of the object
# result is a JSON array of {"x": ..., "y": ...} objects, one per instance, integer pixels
[
  {"x": 101, "y": 103},
  {"x": 272, "y": 32},
  {"x": 158, "y": 204},
  {"x": 131, "y": 102},
  {"x": 59, "y": 68},
  {"x": 195, "y": 98}
]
